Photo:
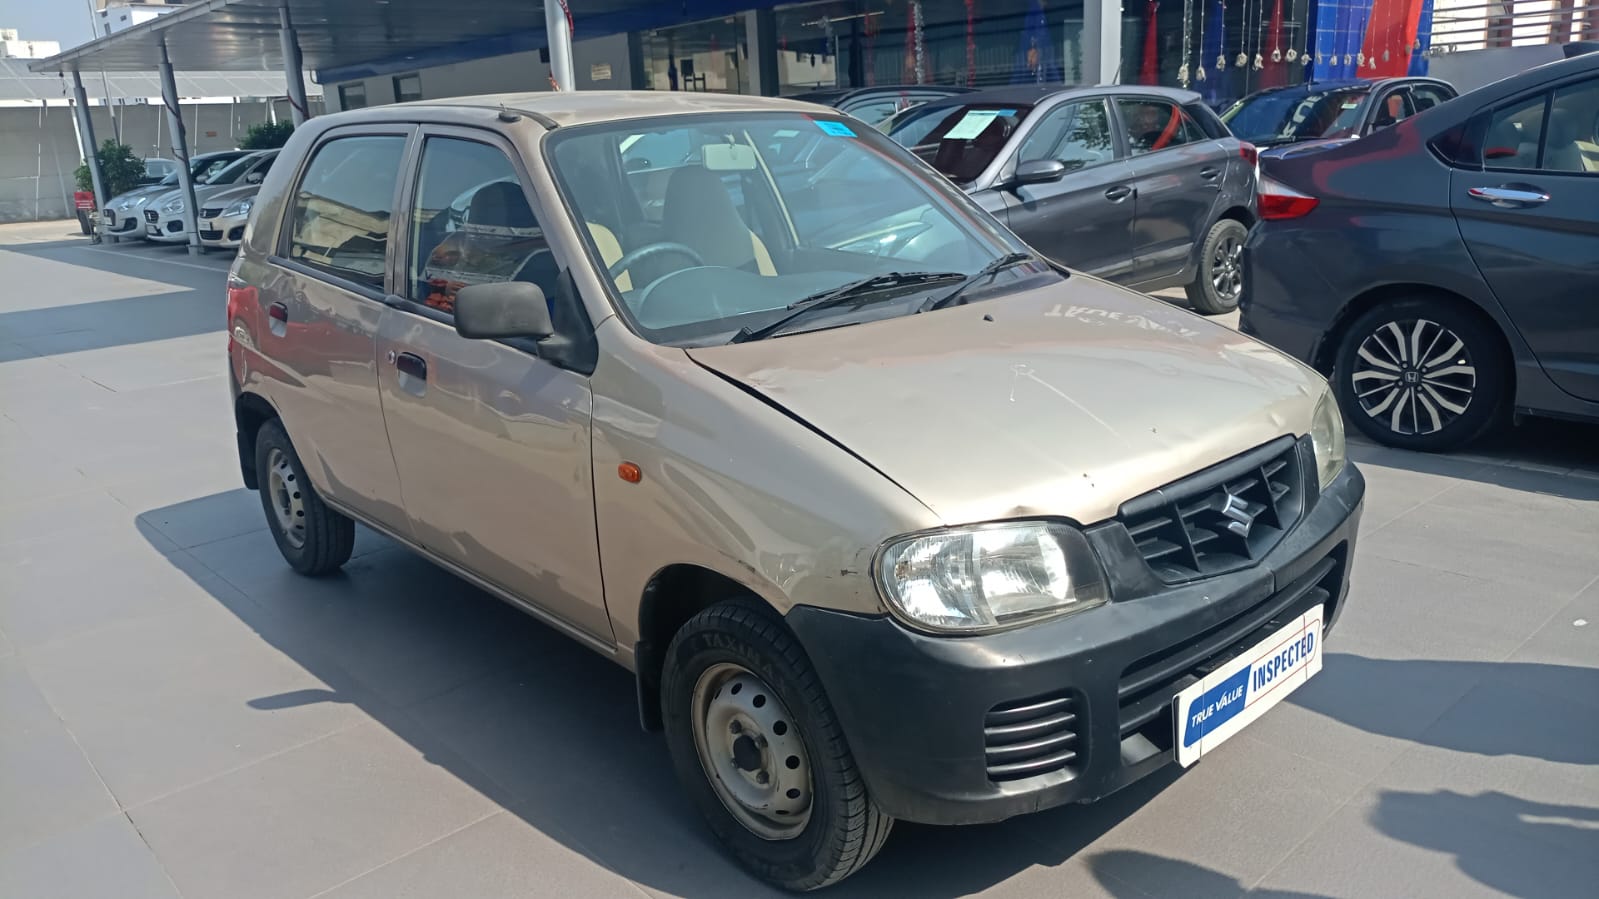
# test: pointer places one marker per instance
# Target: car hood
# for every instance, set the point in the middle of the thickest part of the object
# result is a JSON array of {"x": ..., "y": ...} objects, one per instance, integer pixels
[
  {"x": 202, "y": 192},
  {"x": 132, "y": 196},
  {"x": 1066, "y": 400}
]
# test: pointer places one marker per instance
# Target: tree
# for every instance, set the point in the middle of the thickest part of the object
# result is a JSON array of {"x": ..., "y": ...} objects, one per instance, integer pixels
[
  {"x": 267, "y": 136},
  {"x": 121, "y": 169}
]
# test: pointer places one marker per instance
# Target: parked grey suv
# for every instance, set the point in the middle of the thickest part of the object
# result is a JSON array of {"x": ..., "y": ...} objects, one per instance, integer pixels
[{"x": 1143, "y": 186}]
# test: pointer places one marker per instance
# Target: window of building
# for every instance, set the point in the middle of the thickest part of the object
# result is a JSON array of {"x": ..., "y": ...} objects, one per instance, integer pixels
[
  {"x": 1077, "y": 134},
  {"x": 339, "y": 222},
  {"x": 471, "y": 224},
  {"x": 407, "y": 88},
  {"x": 1154, "y": 125},
  {"x": 352, "y": 96}
]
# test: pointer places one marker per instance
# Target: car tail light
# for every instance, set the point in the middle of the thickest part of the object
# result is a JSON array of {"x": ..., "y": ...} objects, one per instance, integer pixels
[
  {"x": 1279, "y": 201},
  {"x": 1249, "y": 152}
]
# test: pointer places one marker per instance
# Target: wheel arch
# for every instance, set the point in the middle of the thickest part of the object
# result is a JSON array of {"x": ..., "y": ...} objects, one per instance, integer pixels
[
  {"x": 250, "y": 412},
  {"x": 672, "y": 596},
  {"x": 1327, "y": 352}
]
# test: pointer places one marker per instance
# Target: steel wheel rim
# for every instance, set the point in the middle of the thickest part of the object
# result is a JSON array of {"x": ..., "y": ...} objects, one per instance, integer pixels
[
  {"x": 751, "y": 751},
  {"x": 283, "y": 490},
  {"x": 1227, "y": 268},
  {"x": 1416, "y": 377}
]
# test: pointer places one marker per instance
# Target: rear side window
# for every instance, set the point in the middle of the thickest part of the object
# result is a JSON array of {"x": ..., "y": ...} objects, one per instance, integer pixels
[
  {"x": 1427, "y": 96},
  {"x": 339, "y": 218}
]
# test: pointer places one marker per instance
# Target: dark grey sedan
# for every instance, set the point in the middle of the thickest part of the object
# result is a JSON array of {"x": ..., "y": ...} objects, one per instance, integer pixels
[
  {"x": 1139, "y": 185},
  {"x": 1445, "y": 271},
  {"x": 1331, "y": 110}
]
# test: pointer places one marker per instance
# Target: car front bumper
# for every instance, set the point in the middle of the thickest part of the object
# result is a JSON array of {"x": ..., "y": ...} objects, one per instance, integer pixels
[
  {"x": 166, "y": 229},
  {"x": 223, "y": 231},
  {"x": 913, "y": 706},
  {"x": 121, "y": 223}
]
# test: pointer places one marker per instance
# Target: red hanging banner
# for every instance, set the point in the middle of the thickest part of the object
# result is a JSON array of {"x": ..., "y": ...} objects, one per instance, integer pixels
[{"x": 1150, "y": 72}]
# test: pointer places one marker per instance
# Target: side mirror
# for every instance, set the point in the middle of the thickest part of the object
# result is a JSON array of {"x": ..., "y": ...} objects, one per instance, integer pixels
[
  {"x": 1040, "y": 171},
  {"x": 503, "y": 310}
]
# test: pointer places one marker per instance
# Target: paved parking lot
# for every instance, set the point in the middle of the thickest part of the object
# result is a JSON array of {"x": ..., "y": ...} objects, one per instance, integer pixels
[{"x": 182, "y": 716}]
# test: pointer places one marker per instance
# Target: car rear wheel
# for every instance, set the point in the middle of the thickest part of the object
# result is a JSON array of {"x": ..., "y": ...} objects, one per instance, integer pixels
[
  {"x": 1219, "y": 284},
  {"x": 1421, "y": 374},
  {"x": 755, "y": 742},
  {"x": 314, "y": 539}
]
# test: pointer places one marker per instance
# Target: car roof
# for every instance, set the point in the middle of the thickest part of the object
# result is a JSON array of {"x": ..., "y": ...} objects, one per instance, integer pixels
[
  {"x": 566, "y": 108},
  {"x": 1342, "y": 84},
  {"x": 835, "y": 95},
  {"x": 1033, "y": 94}
]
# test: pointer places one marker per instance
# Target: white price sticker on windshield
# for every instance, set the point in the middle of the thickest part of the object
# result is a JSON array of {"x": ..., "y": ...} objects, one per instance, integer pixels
[{"x": 972, "y": 124}]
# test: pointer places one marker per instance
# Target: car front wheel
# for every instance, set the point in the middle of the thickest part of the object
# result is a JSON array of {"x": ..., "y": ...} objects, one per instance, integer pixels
[
  {"x": 1421, "y": 374},
  {"x": 756, "y": 744},
  {"x": 313, "y": 538}
]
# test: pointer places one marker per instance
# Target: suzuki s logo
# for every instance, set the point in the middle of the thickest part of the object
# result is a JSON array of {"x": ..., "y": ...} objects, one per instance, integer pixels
[{"x": 1240, "y": 519}]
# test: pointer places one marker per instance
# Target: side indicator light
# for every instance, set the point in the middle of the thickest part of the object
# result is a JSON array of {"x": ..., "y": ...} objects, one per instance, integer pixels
[{"x": 629, "y": 472}]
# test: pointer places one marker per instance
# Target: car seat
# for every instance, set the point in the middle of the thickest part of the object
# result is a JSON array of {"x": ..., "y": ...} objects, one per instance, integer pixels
[
  {"x": 499, "y": 241},
  {"x": 699, "y": 214},
  {"x": 1563, "y": 146}
]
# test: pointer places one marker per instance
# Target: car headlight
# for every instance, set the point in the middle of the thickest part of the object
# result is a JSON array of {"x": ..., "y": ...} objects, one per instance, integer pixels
[
  {"x": 242, "y": 207},
  {"x": 991, "y": 576},
  {"x": 1327, "y": 436},
  {"x": 173, "y": 206}
]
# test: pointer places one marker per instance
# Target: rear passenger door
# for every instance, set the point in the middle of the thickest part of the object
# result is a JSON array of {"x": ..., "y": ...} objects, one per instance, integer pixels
[
  {"x": 1085, "y": 219},
  {"x": 323, "y": 293},
  {"x": 1177, "y": 177},
  {"x": 1530, "y": 217},
  {"x": 491, "y": 442}
]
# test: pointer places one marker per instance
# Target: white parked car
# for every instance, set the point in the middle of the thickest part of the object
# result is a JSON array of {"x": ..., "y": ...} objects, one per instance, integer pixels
[
  {"x": 163, "y": 216},
  {"x": 223, "y": 216},
  {"x": 124, "y": 215}
]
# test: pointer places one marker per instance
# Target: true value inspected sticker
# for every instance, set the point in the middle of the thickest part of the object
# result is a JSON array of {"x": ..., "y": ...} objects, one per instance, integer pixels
[{"x": 1232, "y": 696}]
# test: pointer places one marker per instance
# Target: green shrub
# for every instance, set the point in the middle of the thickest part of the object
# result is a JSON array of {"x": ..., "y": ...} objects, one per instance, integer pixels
[
  {"x": 267, "y": 136},
  {"x": 118, "y": 166}
]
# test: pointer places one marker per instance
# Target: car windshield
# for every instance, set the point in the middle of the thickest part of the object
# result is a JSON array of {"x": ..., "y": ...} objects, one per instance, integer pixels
[
  {"x": 233, "y": 171},
  {"x": 709, "y": 224},
  {"x": 203, "y": 170},
  {"x": 960, "y": 141},
  {"x": 1284, "y": 116}
]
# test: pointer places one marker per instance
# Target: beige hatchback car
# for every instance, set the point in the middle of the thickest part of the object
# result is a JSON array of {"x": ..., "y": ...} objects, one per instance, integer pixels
[{"x": 891, "y": 517}]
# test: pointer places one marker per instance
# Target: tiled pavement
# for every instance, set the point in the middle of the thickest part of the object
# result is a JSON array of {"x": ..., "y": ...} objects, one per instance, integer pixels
[{"x": 181, "y": 716}]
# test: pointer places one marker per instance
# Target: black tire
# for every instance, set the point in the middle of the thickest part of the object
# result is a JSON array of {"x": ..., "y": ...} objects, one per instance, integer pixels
[
  {"x": 327, "y": 538},
  {"x": 83, "y": 220},
  {"x": 1220, "y": 258},
  {"x": 846, "y": 828},
  {"x": 1422, "y": 391}
]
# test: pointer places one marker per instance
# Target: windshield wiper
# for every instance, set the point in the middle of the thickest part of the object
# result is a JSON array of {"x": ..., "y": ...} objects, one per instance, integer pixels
[
  {"x": 854, "y": 292},
  {"x": 987, "y": 271}
]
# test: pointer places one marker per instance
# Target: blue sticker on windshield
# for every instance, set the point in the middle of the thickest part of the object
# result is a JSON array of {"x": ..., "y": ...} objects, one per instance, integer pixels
[{"x": 837, "y": 129}]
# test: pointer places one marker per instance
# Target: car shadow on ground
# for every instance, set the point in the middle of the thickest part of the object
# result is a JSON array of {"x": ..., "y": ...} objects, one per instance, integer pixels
[
  {"x": 1183, "y": 878},
  {"x": 1542, "y": 456},
  {"x": 549, "y": 730}
]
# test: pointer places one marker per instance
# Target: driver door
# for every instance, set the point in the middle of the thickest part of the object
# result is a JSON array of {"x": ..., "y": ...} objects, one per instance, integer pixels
[{"x": 491, "y": 442}]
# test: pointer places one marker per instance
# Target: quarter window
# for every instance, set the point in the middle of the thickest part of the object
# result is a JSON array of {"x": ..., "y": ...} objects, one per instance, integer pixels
[
  {"x": 471, "y": 224},
  {"x": 1077, "y": 135},
  {"x": 1154, "y": 125},
  {"x": 339, "y": 222}
]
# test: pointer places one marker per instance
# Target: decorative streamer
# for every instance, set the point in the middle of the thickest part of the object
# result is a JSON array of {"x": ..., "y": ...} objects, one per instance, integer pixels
[
  {"x": 1182, "y": 70},
  {"x": 1149, "y": 73},
  {"x": 971, "y": 43},
  {"x": 1243, "y": 38},
  {"x": 1220, "y": 21},
  {"x": 921, "y": 46}
]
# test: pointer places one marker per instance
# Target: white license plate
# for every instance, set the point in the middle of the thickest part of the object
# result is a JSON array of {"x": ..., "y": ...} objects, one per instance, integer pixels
[{"x": 1229, "y": 698}]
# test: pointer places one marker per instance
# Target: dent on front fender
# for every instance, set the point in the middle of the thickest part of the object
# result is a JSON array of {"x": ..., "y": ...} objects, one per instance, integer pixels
[{"x": 730, "y": 484}]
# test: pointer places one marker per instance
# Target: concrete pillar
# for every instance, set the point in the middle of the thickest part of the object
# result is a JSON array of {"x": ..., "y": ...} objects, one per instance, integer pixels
[
  {"x": 760, "y": 35},
  {"x": 86, "y": 144},
  {"x": 293, "y": 67},
  {"x": 1102, "y": 41},
  {"x": 558, "y": 31},
  {"x": 180, "y": 149}
]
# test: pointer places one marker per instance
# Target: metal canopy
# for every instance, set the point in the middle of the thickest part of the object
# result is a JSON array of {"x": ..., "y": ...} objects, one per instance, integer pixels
[{"x": 243, "y": 35}]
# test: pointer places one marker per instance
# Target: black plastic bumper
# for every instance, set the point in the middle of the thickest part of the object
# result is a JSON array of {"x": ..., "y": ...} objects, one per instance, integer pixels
[{"x": 914, "y": 707}]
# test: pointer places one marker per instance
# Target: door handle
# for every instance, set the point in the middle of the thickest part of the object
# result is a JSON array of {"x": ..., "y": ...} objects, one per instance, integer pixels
[
  {"x": 1210, "y": 173},
  {"x": 1509, "y": 196},
  {"x": 278, "y": 319},
  {"x": 413, "y": 371},
  {"x": 1118, "y": 193}
]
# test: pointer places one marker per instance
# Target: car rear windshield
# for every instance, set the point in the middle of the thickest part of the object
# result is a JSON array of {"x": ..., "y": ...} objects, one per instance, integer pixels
[
  {"x": 960, "y": 141},
  {"x": 1281, "y": 117}
]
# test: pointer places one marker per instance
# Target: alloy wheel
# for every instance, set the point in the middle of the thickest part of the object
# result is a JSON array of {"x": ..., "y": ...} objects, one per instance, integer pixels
[
  {"x": 750, "y": 748},
  {"x": 1415, "y": 377},
  {"x": 1227, "y": 269}
]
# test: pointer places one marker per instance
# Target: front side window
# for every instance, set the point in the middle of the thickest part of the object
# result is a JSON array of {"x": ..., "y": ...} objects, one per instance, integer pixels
[
  {"x": 733, "y": 237},
  {"x": 1572, "y": 141},
  {"x": 234, "y": 170},
  {"x": 1393, "y": 108},
  {"x": 1154, "y": 125},
  {"x": 1272, "y": 117},
  {"x": 961, "y": 141},
  {"x": 1077, "y": 135},
  {"x": 1426, "y": 96},
  {"x": 471, "y": 224},
  {"x": 339, "y": 217}
]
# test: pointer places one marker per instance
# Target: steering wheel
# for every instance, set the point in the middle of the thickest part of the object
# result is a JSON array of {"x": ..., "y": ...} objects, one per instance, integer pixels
[{"x": 635, "y": 256}]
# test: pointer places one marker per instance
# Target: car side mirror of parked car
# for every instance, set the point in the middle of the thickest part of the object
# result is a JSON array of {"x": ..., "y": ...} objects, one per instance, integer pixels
[
  {"x": 504, "y": 310},
  {"x": 1040, "y": 171}
]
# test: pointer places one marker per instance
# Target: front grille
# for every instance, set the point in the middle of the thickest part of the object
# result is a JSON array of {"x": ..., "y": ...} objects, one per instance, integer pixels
[
  {"x": 210, "y": 235},
  {"x": 1223, "y": 518},
  {"x": 210, "y": 212},
  {"x": 150, "y": 215},
  {"x": 1147, "y": 686},
  {"x": 1031, "y": 737}
]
